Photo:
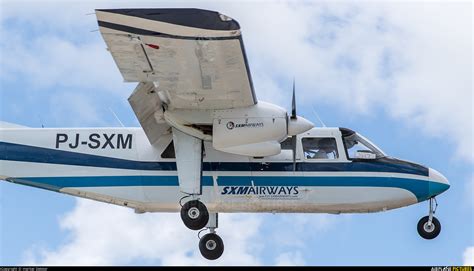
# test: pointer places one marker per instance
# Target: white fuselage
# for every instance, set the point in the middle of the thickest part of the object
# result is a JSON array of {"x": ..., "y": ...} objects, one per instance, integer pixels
[{"x": 120, "y": 166}]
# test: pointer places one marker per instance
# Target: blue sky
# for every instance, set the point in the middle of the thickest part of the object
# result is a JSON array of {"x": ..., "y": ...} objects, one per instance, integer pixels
[{"x": 400, "y": 73}]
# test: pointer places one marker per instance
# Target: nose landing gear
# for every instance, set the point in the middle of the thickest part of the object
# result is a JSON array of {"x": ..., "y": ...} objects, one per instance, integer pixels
[{"x": 429, "y": 226}]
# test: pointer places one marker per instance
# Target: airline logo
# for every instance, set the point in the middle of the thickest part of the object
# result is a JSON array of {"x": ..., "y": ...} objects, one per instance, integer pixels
[
  {"x": 263, "y": 191},
  {"x": 231, "y": 125}
]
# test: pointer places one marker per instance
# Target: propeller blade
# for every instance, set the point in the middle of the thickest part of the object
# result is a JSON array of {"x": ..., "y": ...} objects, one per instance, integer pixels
[
  {"x": 293, "y": 146},
  {"x": 293, "y": 103}
]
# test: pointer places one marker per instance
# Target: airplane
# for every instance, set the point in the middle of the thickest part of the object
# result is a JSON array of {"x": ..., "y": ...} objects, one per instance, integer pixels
[{"x": 206, "y": 144}]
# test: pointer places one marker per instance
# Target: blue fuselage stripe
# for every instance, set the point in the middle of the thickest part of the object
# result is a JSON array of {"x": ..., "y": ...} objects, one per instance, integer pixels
[
  {"x": 25, "y": 153},
  {"x": 419, "y": 188}
]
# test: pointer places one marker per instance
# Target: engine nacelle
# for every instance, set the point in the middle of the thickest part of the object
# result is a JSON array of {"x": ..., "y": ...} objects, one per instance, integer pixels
[{"x": 251, "y": 131}]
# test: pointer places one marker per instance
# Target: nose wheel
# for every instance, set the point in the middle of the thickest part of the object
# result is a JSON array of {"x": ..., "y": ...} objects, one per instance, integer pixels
[{"x": 429, "y": 226}]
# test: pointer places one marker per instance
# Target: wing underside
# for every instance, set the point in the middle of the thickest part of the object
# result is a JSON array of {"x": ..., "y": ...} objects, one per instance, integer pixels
[{"x": 195, "y": 58}]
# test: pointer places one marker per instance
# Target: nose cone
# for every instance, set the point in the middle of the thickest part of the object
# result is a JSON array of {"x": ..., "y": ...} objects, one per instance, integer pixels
[
  {"x": 438, "y": 183},
  {"x": 298, "y": 126}
]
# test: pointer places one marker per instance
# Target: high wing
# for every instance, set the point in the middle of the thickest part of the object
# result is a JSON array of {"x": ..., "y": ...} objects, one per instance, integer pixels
[{"x": 196, "y": 58}]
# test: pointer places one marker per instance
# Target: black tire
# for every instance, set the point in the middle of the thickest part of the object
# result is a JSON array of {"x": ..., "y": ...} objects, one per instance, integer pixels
[
  {"x": 426, "y": 232},
  {"x": 211, "y": 246},
  {"x": 202, "y": 215}
]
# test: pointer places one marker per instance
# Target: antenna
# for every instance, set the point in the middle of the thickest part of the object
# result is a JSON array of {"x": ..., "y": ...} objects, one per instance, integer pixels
[
  {"x": 41, "y": 121},
  {"x": 88, "y": 14},
  {"x": 115, "y": 115},
  {"x": 317, "y": 116}
]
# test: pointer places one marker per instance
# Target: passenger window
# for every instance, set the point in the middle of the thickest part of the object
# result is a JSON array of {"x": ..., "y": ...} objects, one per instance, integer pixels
[{"x": 320, "y": 148}]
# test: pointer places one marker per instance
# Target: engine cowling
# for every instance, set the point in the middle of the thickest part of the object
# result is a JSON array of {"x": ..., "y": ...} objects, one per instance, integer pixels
[{"x": 254, "y": 131}]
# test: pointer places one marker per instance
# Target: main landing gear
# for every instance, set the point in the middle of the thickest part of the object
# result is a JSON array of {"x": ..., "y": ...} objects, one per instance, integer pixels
[
  {"x": 195, "y": 216},
  {"x": 429, "y": 226},
  {"x": 190, "y": 153}
]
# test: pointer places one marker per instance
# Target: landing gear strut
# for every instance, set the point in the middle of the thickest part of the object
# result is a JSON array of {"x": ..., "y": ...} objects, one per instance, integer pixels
[
  {"x": 211, "y": 245},
  {"x": 429, "y": 226}
]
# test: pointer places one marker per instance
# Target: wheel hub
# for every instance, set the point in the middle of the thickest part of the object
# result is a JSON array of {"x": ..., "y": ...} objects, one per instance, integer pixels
[
  {"x": 429, "y": 228},
  {"x": 211, "y": 245},
  {"x": 193, "y": 212}
]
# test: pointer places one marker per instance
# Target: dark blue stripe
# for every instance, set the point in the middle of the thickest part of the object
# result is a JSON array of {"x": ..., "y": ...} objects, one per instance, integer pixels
[
  {"x": 418, "y": 187},
  {"x": 24, "y": 153},
  {"x": 191, "y": 17}
]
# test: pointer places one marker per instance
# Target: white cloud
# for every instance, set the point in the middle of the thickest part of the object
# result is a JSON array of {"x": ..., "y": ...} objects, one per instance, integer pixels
[
  {"x": 47, "y": 62},
  {"x": 412, "y": 60},
  {"x": 102, "y": 234},
  {"x": 290, "y": 259},
  {"x": 293, "y": 233},
  {"x": 76, "y": 109},
  {"x": 468, "y": 256}
]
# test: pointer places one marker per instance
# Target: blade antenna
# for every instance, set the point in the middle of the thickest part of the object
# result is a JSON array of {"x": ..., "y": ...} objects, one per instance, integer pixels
[
  {"x": 317, "y": 116},
  {"x": 116, "y": 117},
  {"x": 293, "y": 102}
]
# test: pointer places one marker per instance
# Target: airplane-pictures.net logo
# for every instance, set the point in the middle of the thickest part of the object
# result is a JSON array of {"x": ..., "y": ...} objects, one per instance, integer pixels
[
  {"x": 451, "y": 268},
  {"x": 231, "y": 125}
]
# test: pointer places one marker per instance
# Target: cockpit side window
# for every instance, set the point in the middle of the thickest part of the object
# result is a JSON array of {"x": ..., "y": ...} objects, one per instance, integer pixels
[
  {"x": 320, "y": 148},
  {"x": 358, "y": 147}
]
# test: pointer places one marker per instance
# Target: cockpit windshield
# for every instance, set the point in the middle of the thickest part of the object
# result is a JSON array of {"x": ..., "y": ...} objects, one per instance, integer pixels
[{"x": 358, "y": 147}]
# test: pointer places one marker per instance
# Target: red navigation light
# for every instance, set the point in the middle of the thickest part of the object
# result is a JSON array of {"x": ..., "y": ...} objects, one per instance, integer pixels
[{"x": 154, "y": 46}]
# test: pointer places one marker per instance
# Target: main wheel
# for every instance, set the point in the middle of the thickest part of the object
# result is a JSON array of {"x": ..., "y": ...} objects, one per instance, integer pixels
[
  {"x": 426, "y": 231},
  {"x": 194, "y": 214},
  {"x": 211, "y": 246}
]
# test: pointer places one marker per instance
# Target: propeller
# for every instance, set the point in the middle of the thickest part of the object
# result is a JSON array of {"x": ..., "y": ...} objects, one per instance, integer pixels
[
  {"x": 293, "y": 103},
  {"x": 293, "y": 117},
  {"x": 296, "y": 125}
]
